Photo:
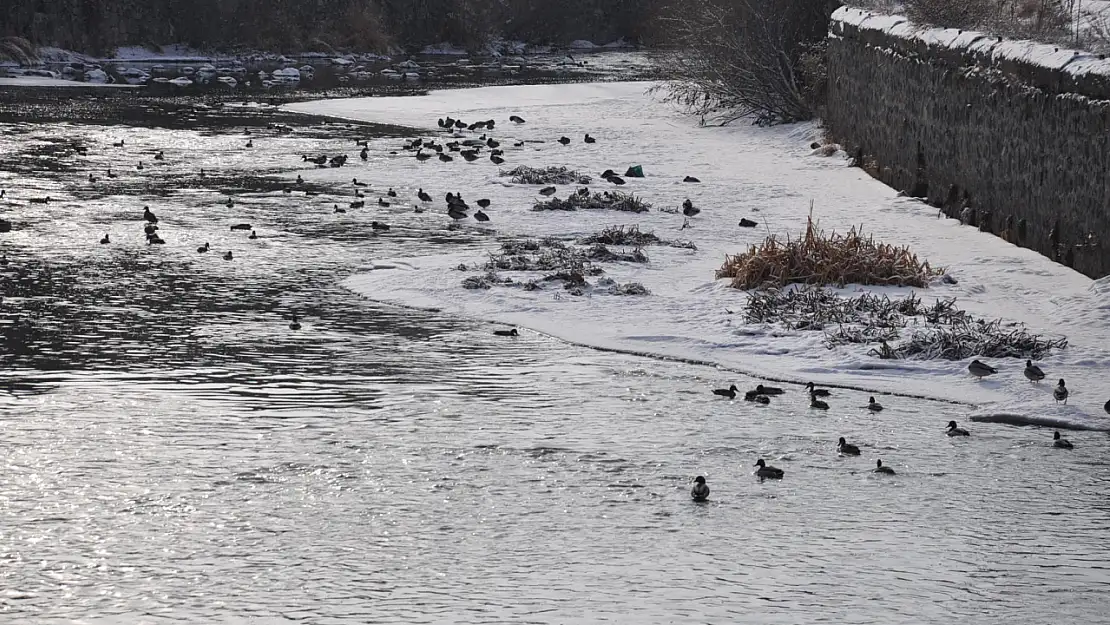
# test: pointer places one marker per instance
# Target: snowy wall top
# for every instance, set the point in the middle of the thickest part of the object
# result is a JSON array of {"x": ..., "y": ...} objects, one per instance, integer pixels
[{"x": 1041, "y": 65}]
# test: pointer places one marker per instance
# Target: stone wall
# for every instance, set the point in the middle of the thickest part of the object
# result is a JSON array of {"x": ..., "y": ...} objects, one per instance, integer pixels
[{"x": 1012, "y": 137}]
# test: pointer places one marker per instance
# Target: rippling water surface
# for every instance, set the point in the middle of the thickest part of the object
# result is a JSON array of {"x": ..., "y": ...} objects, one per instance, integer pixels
[{"x": 173, "y": 452}]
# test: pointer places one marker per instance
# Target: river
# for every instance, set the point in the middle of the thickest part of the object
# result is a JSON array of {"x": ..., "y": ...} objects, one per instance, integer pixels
[{"x": 174, "y": 452}]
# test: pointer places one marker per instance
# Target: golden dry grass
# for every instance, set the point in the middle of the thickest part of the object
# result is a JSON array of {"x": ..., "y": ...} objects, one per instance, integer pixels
[{"x": 819, "y": 258}]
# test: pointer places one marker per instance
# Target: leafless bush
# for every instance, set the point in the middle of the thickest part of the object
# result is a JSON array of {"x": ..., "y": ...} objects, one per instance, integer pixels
[
  {"x": 742, "y": 58},
  {"x": 1044, "y": 20},
  {"x": 17, "y": 49}
]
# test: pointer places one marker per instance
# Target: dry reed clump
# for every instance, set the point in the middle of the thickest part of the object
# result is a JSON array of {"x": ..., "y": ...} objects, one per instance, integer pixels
[
  {"x": 818, "y": 258},
  {"x": 605, "y": 200},
  {"x": 544, "y": 175}
]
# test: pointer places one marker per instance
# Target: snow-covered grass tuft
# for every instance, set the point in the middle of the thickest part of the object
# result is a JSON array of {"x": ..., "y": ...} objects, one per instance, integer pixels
[
  {"x": 622, "y": 235},
  {"x": 819, "y": 258},
  {"x": 970, "y": 338},
  {"x": 544, "y": 175},
  {"x": 941, "y": 330},
  {"x": 606, "y": 200}
]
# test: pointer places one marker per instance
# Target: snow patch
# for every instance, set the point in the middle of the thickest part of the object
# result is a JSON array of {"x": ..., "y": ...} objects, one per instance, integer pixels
[{"x": 770, "y": 177}]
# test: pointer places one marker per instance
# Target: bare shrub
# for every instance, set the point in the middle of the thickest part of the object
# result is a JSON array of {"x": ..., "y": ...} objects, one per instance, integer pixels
[
  {"x": 817, "y": 258},
  {"x": 1044, "y": 20},
  {"x": 17, "y": 49},
  {"x": 742, "y": 58}
]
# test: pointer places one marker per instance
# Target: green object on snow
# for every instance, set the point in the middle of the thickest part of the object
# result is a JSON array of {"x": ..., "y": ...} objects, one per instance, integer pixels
[{"x": 634, "y": 172}]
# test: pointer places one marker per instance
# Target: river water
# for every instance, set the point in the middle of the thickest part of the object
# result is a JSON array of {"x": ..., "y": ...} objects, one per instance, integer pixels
[{"x": 174, "y": 452}]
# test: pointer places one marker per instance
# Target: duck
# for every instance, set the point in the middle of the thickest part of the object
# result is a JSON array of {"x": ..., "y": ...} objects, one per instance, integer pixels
[
  {"x": 364, "y": 154},
  {"x": 879, "y": 468},
  {"x": 768, "y": 390},
  {"x": 589, "y": 139},
  {"x": 1106, "y": 407},
  {"x": 149, "y": 216},
  {"x": 729, "y": 392},
  {"x": 355, "y": 182},
  {"x": 1060, "y": 393},
  {"x": 496, "y": 160},
  {"x": 105, "y": 240},
  {"x": 512, "y": 332},
  {"x": 383, "y": 203},
  {"x": 154, "y": 239},
  {"x": 377, "y": 225},
  {"x": 92, "y": 179},
  {"x": 1033, "y": 372},
  {"x": 150, "y": 229},
  {"x": 423, "y": 196},
  {"x": 564, "y": 140},
  {"x": 817, "y": 392},
  {"x": 421, "y": 156},
  {"x": 747, "y": 223},
  {"x": 483, "y": 203},
  {"x": 1062, "y": 443},
  {"x": 253, "y": 235},
  {"x": 689, "y": 209},
  {"x": 817, "y": 403},
  {"x": 617, "y": 180},
  {"x": 981, "y": 369},
  {"x": 159, "y": 156},
  {"x": 339, "y": 210},
  {"x": 228, "y": 255},
  {"x": 111, "y": 175},
  {"x": 204, "y": 248},
  {"x": 690, "y": 179},
  {"x": 391, "y": 192},
  {"x": 250, "y": 143},
  {"x": 295, "y": 325},
  {"x": 230, "y": 203},
  {"x": 40, "y": 200},
  {"x": 847, "y": 449},
  {"x": 140, "y": 166},
  {"x": 118, "y": 145},
  {"x": 480, "y": 216},
  {"x": 516, "y": 119},
  {"x": 700, "y": 491},
  {"x": 547, "y": 191},
  {"x": 757, "y": 397},
  {"x": 241, "y": 227},
  {"x": 446, "y": 158},
  {"x": 953, "y": 430},
  {"x": 766, "y": 471},
  {"x": 873, "y": 405},
  {"x": 492, "y": 143}
]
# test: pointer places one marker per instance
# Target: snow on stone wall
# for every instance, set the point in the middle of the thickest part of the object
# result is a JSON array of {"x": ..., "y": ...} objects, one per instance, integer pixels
[{"x": 1012, "y": 136}]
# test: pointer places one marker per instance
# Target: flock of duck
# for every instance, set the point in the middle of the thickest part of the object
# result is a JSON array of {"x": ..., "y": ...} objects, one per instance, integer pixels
[{"x": 762, "y": 394}]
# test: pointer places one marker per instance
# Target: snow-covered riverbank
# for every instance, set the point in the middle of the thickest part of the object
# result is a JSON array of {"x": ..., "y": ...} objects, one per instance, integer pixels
[{"x": 766, "y": 175}]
